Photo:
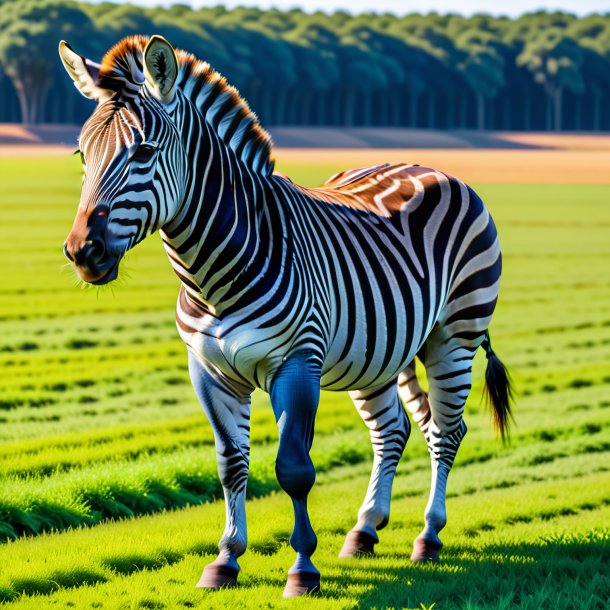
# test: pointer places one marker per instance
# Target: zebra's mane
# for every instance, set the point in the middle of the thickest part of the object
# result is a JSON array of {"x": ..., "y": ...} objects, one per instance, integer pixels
[{"x": 220, "y": 103}]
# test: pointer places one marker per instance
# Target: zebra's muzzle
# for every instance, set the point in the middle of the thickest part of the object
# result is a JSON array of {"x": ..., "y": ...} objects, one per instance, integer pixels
[{"x": 92, "y": 262}]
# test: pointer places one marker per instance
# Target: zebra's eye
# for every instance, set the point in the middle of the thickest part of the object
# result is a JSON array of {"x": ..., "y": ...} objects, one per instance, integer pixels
[{"x": 144, "y": 153}]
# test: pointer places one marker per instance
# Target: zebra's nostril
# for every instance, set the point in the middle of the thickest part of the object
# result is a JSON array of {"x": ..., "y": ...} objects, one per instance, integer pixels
[
  {"x": 90, "y": 254},
  {"x": 97, "y": 249},
  {"x": 67, "y": 252}
]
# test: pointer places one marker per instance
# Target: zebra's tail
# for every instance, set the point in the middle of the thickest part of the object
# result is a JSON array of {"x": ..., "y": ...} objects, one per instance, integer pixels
[{"x": 498, "y": 390}]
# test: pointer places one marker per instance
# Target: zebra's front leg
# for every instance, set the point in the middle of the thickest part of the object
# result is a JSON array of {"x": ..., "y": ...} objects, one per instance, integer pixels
[
  {"x": 295, "y": 392},
  {"x": 389, "y": 429},
  {"x": 228, "y": 411}
]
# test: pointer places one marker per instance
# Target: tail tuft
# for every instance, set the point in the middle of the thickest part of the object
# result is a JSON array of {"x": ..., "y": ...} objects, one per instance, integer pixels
[{"x": 498, "y": 390}]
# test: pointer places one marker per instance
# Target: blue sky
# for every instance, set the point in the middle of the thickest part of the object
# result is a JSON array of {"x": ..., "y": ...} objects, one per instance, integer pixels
[{"x": 466, "y": 7}]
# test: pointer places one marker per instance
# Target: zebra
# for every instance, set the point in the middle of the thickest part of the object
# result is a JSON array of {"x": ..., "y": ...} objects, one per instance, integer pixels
[{"x": 290, "y": 289}]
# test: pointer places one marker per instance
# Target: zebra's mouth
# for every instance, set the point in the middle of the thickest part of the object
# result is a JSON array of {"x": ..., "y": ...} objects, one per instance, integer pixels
[
  {"x": 102, "y": 272},
  {"x": 109, "y": 274}
]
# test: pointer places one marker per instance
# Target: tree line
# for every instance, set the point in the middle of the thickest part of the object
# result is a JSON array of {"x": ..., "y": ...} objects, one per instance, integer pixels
[{"x": 541, "y": 71}]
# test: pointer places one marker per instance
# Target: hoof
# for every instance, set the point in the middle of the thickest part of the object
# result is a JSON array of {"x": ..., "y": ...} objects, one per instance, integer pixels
[
  {"x": 302, "y": 583},
  {"x": 358, "y": 543},
  {"x": 426, "y": 550},
  {"x": 216, "y": 576}
]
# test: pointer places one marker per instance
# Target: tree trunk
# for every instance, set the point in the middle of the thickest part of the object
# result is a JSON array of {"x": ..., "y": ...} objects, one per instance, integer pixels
[
  {"x": 267, "y": 107},
  {"x": 350, "y": 108},
  {"x": 414, "y": 111},
  {"x": 527, "y": 115},
  {"x": 597, "y": 109},
  {"x": 385, "y": 119},
  {"x": 431, "y": 110},
  {"x": 395, "y": 115},
  {"x": 306, "y": 108},
  {"x": 294, "y": 106},
  {"x": 453, "y": 113},
  {"x": 321, "y": 107},
  {"x": 24, "y": 106},
  {"x": 23, "y": 97},
  {"x": 446, "y": 112},
  {"x": 39, "y": 104},
  {"x": 557, "y": 104},
  {"x": 339, "y": 107},
  {"x": 463, "y": 111},
  {"x": 367, "y": 108},
  {"x": 288, "y": 106},
  {"x": 480, "y": 112},
  {"x": 280, "y": 106},
  {"x": 549, "y": 114},
  {"x": 386, "y": 107},
  {"x": 31, "y": 90}
]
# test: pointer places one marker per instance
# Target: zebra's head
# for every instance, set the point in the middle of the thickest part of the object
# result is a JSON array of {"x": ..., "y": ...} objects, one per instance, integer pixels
[{"x": 133, "y": 160}]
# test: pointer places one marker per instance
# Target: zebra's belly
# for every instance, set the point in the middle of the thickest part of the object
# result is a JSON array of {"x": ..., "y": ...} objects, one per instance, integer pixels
[
  {"x": 373, "y": 377},
  {"x": 374, "y": 348}
]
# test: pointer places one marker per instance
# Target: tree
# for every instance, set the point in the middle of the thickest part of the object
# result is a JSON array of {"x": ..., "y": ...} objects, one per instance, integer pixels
[
  {"x": 593, "y": 35},
  {"x": 374, "y": 74},
  {"x": 482, "y": 68},
  {"x": 555, "y": 61},
  {"x": 596, "y": 74},
  {"x": 442, "y": 79},
  {"x": 29, "y": 33},
  {"x": 272, "y": 61},
  {"x": 317, "y": 65}
]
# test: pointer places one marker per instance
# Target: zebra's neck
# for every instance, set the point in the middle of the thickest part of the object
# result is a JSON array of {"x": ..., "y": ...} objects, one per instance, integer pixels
[{"x": 220, "y": 242}]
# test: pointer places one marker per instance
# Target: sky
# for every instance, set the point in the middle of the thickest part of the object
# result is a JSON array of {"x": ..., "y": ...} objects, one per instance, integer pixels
[{"x": 465, "y": 7}]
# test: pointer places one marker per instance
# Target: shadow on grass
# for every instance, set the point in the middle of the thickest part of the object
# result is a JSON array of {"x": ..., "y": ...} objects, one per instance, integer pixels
[
  {"x": 556, "y": 573},
  {"x": 123, "y": 565},
  {"x": 61, "y": 579}
]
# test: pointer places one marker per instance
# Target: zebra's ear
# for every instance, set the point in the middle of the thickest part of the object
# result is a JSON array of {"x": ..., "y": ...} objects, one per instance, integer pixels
[
  {"x": 161, "y": 68},
  {"x": 84, "y": 73}
]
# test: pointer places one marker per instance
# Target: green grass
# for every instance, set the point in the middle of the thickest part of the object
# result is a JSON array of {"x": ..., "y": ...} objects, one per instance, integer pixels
[{"x": 108, "y": 493}]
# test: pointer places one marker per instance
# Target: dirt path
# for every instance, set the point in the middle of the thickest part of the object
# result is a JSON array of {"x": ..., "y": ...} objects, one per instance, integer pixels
[
  {"x": 527, "y": 166},
  {"x": 473, "y": 156}
]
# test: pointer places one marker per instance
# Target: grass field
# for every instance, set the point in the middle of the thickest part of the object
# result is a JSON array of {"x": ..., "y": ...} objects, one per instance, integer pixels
[{"x": 108, "y": 492}]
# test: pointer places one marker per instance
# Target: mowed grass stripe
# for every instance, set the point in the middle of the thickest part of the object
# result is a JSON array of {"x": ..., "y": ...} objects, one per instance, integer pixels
[
  {"x": 150, "y": 483},
  {"x": 56, "y": 453},
  {"x": 110, "y": 552},
  {"x": 53, "y": 458}
]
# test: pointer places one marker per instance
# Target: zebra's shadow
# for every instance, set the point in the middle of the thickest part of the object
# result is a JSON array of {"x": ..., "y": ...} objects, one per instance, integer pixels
[{"x": 555, "y": 573}]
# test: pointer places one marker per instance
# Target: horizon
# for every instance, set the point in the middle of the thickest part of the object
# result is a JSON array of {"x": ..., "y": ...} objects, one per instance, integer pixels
[{"x": 466, "y": 8}]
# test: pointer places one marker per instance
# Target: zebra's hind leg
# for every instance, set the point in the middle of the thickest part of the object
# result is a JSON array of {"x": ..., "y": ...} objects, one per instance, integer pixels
[
  {"x": 449, "y": 370},
  {"x": 295, "y": 392},
  {"x": 413, "y": 397},
  {"x": 389, "y": 429},
  {"x": 229, "y": 414}
]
